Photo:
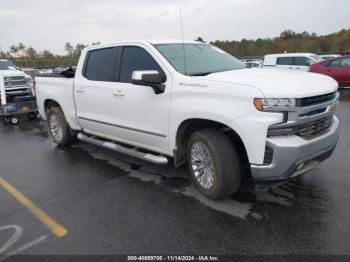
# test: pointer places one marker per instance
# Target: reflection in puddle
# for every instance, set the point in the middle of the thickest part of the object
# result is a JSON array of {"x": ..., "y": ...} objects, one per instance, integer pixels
[
  {"x": 175, "y": 180},
  {"x": 229, "y": 206}
]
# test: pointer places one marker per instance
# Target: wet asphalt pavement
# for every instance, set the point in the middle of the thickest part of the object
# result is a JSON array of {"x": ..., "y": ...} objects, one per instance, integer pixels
[{"x": 112, "y": 204}]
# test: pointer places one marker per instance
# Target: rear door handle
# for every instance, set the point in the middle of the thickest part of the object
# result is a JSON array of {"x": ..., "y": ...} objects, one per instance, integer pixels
[
  {"x": 80, "y": 90},
  {"x": 118, "y": 93}
]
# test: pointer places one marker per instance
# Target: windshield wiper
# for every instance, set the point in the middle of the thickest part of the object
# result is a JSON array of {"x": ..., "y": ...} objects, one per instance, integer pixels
[
  {"x": 212, "y": 72},
  {"x": 202, "y": 74}
]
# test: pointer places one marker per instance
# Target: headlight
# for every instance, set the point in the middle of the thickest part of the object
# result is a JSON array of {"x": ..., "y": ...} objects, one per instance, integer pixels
[
  {"x": 263, "y": 103},
  {"x": 29, "y": 80}
]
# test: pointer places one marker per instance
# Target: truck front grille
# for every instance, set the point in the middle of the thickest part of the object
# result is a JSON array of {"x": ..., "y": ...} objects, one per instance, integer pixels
[
  {"x": 16, "y": 85},
  {"x": 314, "y": 128},
  {"x": 314, "y": 100},
  {"x": 15, "y": 81}
]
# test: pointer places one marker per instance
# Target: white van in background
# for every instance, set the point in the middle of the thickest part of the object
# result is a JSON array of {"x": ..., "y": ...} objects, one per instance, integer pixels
[{"x": 291, "y": 61}]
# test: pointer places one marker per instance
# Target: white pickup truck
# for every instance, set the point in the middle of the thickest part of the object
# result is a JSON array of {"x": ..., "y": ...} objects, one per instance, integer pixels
[
  {"x": 16, "y": 82},
  {"x": 193, "y": 102}
]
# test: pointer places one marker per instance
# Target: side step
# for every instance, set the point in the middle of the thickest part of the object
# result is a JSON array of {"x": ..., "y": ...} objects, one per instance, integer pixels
[{"x": 155, "y": 159}]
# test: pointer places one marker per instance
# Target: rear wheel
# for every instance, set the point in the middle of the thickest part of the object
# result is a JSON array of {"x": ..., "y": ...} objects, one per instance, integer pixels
[
  {"x": 58, "y": 127},
  {"x": 214, "y": 163},
  {"x": 6, "y": 119}
]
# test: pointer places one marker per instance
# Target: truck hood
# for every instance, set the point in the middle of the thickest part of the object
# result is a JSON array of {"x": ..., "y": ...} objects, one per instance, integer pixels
[
  {"x": 276, "y": 83},
  {"x": 6, "y": 73}
]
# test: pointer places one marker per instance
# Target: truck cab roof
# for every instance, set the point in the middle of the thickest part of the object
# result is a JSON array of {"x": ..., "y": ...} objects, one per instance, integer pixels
[{"x": 146, "y": 42}]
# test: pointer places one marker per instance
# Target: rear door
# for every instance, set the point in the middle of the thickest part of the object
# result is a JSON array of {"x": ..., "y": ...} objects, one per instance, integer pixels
[
  {"x": 141, "y": 116},
  {"x": 93, "y": 92}
]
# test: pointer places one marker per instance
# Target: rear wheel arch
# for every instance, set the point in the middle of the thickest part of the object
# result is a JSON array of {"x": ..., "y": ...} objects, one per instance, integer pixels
[
  {"x": 53, "y": 107},
  {"x": 50, "y": 103}
]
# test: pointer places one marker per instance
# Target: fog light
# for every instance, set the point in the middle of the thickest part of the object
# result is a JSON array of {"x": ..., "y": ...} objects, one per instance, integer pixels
[{"x": 333, "y": 108}]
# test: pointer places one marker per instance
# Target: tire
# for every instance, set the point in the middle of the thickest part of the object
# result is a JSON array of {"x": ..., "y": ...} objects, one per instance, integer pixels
[
  {"x": 6, "y": 119},
  {"x": 58, "y": 127},
  {"x": 33, "y": 115},
  {"x": 221, "y": 157},
  {"x": 14, "y": 120}
]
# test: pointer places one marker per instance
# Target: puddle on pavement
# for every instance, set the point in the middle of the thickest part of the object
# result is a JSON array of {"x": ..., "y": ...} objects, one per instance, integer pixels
[{"x": 176, "y": 180}]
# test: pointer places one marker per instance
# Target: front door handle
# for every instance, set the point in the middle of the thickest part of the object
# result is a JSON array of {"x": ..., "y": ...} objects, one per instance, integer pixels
[{"x": 118, "y": 93}]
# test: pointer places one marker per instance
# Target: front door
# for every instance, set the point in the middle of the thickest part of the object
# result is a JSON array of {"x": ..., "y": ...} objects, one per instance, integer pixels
[{"x": 141, "y": 116}]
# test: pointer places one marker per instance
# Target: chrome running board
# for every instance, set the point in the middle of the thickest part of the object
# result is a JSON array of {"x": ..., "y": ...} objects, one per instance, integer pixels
[{"x": 155, "y": 159}]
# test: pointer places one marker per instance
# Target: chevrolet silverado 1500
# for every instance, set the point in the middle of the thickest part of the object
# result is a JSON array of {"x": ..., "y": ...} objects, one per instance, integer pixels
[{"x": 193, "y": 102}]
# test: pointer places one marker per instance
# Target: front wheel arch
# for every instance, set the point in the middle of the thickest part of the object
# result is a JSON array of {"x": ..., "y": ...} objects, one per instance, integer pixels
[{"x": 187, "y": 127}]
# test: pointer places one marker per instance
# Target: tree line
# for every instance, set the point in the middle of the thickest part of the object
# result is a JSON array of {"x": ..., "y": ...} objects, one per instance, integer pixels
[
  {"x": 24, "y": 56},
  {"x": 287, "y": 41}
]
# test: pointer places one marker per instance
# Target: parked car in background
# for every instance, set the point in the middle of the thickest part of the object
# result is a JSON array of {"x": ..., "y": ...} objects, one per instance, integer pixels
[
  {"x": 252, "y": 64},
  {"x": 16, "y": 92},
  {"x": 291, "y": 61},
  {"x": 338, "y": 68},
  {"x": 329, "y": 56},
  {"x": 17, "y": 82}
]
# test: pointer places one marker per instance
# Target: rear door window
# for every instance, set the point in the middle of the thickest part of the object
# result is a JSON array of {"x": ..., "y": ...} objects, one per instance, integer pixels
[
  {"x": 100, "y": 64},
  {"x": 285, "y": 61}
]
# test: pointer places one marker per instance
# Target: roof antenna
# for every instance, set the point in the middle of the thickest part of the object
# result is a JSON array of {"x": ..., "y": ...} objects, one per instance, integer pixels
[{"x": 183, "y": 42}]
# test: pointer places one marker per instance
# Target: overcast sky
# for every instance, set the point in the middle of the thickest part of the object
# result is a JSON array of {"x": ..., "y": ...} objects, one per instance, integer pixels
[{"x": 48, "y": 24}]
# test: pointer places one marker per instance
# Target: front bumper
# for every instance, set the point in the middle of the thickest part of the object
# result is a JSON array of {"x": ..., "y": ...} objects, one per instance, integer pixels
[{"x": 293, "y": 156}]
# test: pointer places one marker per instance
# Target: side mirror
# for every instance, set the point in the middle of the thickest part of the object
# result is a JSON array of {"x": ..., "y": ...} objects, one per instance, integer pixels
[{"x": 150, "y": 78}]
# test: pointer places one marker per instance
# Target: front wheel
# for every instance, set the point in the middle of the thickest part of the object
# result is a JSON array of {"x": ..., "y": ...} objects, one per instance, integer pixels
[
  {"x": 14, "y": 120},
  {"x": 214, "y": 163},
  {"x": 58, "y": 127}
]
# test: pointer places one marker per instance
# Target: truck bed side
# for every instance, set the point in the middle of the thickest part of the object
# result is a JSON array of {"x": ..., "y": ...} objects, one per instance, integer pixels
[{"x": 60, "y": 90}]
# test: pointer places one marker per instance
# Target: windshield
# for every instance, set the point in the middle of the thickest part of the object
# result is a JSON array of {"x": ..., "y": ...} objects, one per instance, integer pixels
[
  {"x": 316, "y": 58},
  {"x": 7, "y": 65},
  {"x": 198, "y": 59}
]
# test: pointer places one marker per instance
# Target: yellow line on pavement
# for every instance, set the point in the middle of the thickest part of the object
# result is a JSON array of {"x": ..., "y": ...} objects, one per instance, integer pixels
[{"x": 56, "y": 228}]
